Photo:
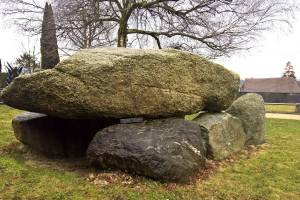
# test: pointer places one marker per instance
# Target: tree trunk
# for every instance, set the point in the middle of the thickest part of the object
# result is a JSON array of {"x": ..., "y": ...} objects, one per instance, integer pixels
[{"x": 122, "y": 34}]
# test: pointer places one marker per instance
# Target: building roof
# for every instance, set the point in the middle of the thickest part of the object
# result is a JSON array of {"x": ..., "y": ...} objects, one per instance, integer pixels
[{"x": 272, "y": 85}]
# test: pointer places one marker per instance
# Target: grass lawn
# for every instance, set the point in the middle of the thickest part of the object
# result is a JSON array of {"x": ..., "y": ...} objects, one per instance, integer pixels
[
  {"x": 269, "y": 172},
  {"x": 280, "y": 108}
]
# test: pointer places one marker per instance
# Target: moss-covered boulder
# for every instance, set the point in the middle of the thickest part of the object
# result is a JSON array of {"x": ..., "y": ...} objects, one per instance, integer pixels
[{"x": 120, "y": 83}]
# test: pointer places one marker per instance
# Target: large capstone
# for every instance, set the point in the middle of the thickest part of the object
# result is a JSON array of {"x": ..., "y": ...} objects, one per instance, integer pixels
[
  {"x": 250, "y": 109},
  {"x": 225, "y": 134},
  {"x": 167, "y": 150},
  {"x": 124, "y": 83},
  {"x": 57, "y": 137}
]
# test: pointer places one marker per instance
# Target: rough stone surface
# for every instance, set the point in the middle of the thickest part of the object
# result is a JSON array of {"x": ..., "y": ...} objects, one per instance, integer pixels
[
  {"x": 167, "y": 150},
  {"x": 56, "y": 137},
  {"x": 225, "y": 134},
  {"x": 124, "y": 83},
  {"x": 251, "y": 110}
]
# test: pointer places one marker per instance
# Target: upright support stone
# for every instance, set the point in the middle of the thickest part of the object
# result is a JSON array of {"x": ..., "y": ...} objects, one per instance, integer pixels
[
  {"x": 56, "y": 137},
  {"x": 250, "y": 109},
  {"x": 168, "y": 149},
  {"x": 225, "y": 134}
]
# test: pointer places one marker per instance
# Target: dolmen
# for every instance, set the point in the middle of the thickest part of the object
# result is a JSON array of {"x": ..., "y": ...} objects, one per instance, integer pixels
[{"x": 123, "y": 109}]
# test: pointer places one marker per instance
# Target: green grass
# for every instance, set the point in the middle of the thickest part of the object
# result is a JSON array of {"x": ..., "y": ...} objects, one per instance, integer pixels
[
  {"x": 271, "y": 173},
  {"x": 280, "y": 108},
  {"x": 6, "y": 115}
]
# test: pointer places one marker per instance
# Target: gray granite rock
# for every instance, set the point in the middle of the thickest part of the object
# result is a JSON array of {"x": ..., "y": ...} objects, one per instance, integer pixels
[
  {"x": 166, "y": 150},
  {"x": 250, "y": 109},
  {"x": 225, "y": 134}
]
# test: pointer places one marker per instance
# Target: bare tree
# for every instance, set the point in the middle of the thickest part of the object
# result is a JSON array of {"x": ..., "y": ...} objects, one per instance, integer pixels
[
  {"x": 78, "y": 23},
  {"x": 26, "y": 14},
  {"x": 209, "y": 27}
]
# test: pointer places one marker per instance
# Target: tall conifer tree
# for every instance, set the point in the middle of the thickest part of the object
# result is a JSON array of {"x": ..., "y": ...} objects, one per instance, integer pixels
[
  {"x": 289, "y": 71},
  {"x": 49, "y": 48}
]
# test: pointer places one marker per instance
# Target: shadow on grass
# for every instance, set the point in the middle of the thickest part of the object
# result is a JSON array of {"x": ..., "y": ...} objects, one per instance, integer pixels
[{"x": 24, "y": 155}]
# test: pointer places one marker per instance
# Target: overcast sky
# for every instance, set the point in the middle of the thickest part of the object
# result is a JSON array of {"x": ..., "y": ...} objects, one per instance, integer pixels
[
  {"x": 267, "y": 59},
  {"x": 270, "y": 55}
]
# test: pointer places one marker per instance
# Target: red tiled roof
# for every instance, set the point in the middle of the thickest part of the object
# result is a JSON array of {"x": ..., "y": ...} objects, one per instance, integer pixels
[{"x": 273, "y": 85}]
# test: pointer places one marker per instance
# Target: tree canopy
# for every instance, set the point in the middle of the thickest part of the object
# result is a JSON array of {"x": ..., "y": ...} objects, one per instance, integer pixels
[{"x": 209, "y": 27}]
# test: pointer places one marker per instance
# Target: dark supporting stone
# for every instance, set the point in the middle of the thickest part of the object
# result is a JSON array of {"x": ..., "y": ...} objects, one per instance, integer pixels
[
  {"x": 167, "y": 150},
  {"x": 56, "y": 137}
]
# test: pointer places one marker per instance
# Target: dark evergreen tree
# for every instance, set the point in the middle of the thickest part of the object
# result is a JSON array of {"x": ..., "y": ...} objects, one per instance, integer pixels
[
  {"x": 49, "y": 48},
  {"x": 289, "y": 70}
]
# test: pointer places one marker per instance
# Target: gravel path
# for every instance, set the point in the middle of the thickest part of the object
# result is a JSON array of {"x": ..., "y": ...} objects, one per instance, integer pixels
[{"x": 283, "y": 116}]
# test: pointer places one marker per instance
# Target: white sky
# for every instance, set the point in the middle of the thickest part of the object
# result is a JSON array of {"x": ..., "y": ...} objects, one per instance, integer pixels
[
  {"x": 267, "y": 59},
  {"x": 270, "y": 55}
]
